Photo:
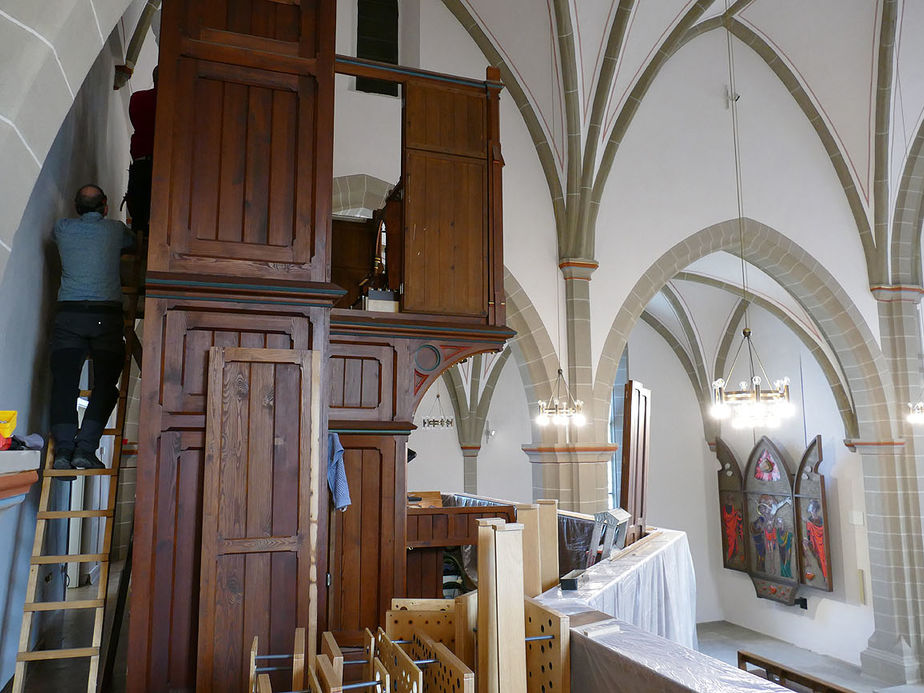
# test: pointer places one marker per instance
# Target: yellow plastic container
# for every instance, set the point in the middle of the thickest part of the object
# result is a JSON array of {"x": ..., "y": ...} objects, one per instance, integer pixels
[{"x": 7, "y": 423}]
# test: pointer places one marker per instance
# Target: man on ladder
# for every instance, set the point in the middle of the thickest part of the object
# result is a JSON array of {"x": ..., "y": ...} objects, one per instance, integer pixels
[{"x": 88, "y": 320}]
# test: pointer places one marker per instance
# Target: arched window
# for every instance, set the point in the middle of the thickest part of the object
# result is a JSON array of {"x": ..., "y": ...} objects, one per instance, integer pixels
[{"x": 377, "y": 39}]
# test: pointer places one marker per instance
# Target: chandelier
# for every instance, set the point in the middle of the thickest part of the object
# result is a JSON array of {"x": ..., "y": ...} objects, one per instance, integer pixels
[
  {"x": 561, "y": 409},
  {"x": 441, "y": 421},
  {"x": 750, "y": 406}
]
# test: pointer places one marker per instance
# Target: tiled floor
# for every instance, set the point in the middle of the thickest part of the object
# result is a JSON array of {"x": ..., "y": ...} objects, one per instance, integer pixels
[{"x": 722, "y": 640}]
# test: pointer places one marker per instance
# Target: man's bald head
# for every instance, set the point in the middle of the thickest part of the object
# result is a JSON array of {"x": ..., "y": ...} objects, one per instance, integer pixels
[{"x": 90, "y": 198}]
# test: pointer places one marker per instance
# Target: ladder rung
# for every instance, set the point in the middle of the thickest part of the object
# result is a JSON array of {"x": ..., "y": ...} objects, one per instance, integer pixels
[
  {"x": 63, "y": 606},
  {"x": 64, "y": 514},
  {"x": 80, "y": 472},
  {"x": 70, "y": 558},
  {"x": 57, "y": 654}
]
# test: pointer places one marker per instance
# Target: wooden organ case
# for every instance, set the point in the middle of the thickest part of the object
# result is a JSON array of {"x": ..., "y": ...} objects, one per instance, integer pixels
[{"x": 239, "y": 271}]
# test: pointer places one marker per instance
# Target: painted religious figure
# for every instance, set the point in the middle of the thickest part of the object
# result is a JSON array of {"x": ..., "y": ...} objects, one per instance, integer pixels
[
  {"x": 784, "y": 546},
  {"x": 733, "y": 524},
  {"x": 814, "y": 542}
]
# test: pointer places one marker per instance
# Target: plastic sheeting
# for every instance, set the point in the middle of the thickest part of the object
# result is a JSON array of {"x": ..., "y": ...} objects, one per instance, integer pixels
[
  {"x": 652, "y": 588},
  {"x": 614, "y": 657}
]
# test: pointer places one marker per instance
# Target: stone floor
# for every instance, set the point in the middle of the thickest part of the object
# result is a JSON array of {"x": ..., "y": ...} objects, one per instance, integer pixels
[
  {"x": 70, "y": 675},
  {"x": 722, "y": 640}
]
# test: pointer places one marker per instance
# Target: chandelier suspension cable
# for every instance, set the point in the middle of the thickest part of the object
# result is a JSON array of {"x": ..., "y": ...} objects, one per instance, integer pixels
[
  {"x": 739, "y": 195},
  {"x": 751, "y": 405}
]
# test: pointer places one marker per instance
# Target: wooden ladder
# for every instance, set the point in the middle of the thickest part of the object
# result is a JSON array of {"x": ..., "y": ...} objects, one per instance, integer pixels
[{"x": 107, "y": 514}]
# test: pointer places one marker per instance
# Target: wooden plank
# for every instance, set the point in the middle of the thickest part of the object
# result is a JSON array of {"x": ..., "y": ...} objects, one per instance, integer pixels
[
  {"x": 330, "y": 682},
  {"x": 424, "y": 604},
  {"x": 547, "y": 661},
  {"x": 511, "y": 645},
  {"x": 448, "y": 674},
  {"x": 466, "y": 625},
  {"x": 64, "y": 606},
  {"x": 238, "y": 509},
  {"x": 528, "y": 516},
  {"x": 263, "y": 684},
  {"x": 298, "y": 660},
  {"x": 487, "y": 607},
  {"x": 70, "y": 558},
  {"x": 330, "y": 648},
  {"x": 71, "y": 653},
  {"x": 548, "y": 542}
]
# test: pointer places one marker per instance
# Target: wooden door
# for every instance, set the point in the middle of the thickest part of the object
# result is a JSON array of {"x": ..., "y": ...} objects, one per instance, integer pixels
[
  {"x": 260, "y": 508},
  {"x": 446, "y": 251},
  {"x": 635, "y": 446},
  {"x": 367, "y": 562}
]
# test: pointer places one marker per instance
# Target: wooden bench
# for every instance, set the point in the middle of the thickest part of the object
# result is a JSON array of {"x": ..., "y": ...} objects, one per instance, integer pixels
[{"x": 784, "y": 675}]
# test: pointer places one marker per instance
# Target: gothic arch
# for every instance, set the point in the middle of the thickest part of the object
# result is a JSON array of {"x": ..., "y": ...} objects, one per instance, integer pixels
[{"x": 817, "y": 291}]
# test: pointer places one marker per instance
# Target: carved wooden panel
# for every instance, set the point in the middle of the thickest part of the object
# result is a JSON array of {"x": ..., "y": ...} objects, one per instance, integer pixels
[
  {"x": 260, "y": 507},
  {"x": 367, "y": 539},
  {"x": 361, "y": 381},
  {"x": 446, "y": 240},
  {"x": 189, "y": 334}
]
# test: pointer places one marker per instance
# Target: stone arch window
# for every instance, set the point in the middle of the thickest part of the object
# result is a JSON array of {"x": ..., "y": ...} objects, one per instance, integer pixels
[
  {"x": 377, "y": 39},
  {"x": 617, "y": 407}
]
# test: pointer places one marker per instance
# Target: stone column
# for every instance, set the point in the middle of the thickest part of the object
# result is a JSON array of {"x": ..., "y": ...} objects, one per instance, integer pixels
[
  {"x": 577, "y": 273},
  {"x": 893, "y": 473},
  {"x": 470, "y": 467},
  {"x": 575, "y": 474}
]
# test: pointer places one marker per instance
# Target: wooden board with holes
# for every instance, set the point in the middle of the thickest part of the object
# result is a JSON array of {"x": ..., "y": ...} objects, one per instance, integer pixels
[
  {"x": 448, "y": 674},
  {"x": 330, "y": 648},
  {"x": 548, "y": 662},
  {"x": 423, "y": 604},
  {"x": 406, "y": 677},
  {"x": 402, "y": 624}
]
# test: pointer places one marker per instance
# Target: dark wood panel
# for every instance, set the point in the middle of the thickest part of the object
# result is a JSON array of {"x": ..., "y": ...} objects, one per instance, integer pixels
[
  {"x": 361, "y": 381},
  {"x": 635, "y": 451},
  {"x": 261, "y": 18},
  {"x": 189, "y": 334},
  {"x": 441, "y": 118},
  {"x": 367, "y": 540},
  {"x": 425, "y": 573},
  {"x": 352, "y": 252},
  {"x": 445, "y": 253},
  {"x": 451, "y": 526},
  {"x": 245, "y": 453}
]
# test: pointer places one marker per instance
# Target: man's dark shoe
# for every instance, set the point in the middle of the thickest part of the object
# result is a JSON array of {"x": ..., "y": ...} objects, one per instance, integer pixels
[
  {"x": 86, "y": 460},
  {"x": 62, "y": 462}
]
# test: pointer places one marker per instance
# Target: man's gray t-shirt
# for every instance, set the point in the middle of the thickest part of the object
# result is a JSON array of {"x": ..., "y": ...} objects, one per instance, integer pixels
[{"x": 90, "y": 248}]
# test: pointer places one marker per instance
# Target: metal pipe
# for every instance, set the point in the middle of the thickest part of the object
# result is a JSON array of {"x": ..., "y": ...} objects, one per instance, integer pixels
[
  {"x": 365, "y": 684},
  {"x": 276, "y": 656},
  {"x": 540, "y": 637},
  {"x": 262, "y": 669}
]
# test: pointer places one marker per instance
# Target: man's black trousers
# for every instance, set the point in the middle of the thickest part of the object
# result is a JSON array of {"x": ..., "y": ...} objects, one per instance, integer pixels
[{"x": 84, "y": 328}]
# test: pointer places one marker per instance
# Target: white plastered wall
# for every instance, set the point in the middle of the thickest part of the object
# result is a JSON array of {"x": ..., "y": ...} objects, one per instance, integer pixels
[
  {"x": 91, "y": 146},
  {"x": 683, "y": 493},
  {"x": 674, "y": 175}
]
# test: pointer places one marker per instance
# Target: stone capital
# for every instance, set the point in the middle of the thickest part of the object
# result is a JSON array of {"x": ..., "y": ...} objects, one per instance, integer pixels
[
  {"x": 577, "y": 268},
  {"x": 891, "y": 293},
  {"x": 573, "y": 453}
]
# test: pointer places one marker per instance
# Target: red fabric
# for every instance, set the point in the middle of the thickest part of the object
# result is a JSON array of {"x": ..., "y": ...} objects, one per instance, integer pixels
[
  {"x": 141, "y": 110},
  {"x": 816, "y": 535}
]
